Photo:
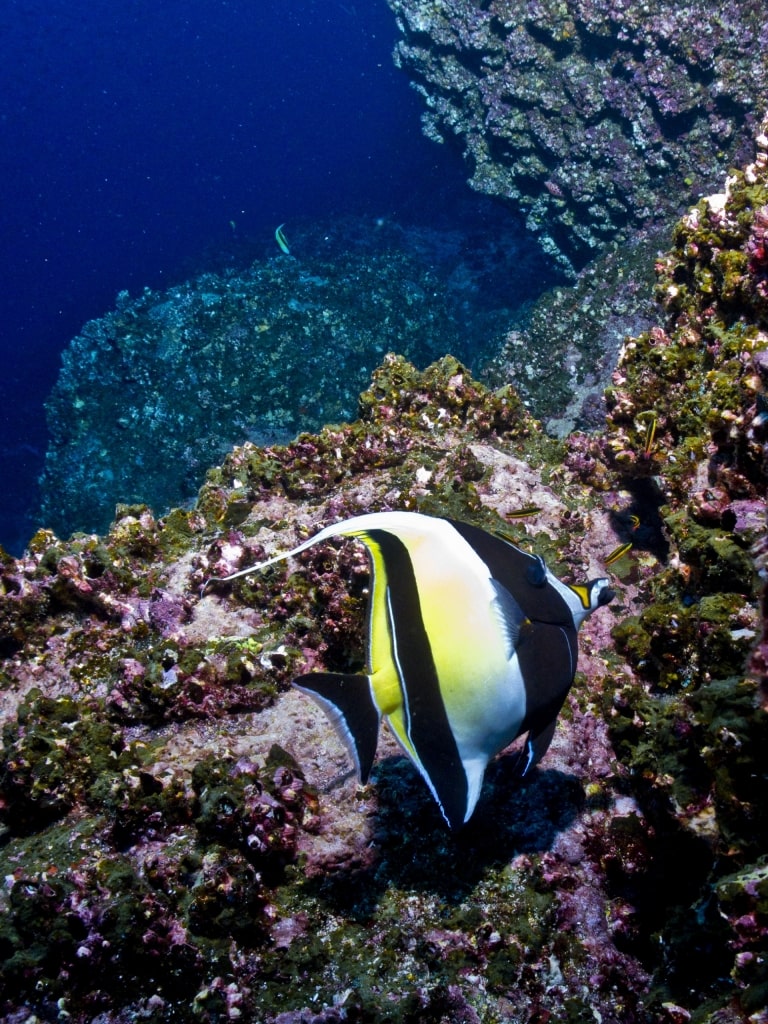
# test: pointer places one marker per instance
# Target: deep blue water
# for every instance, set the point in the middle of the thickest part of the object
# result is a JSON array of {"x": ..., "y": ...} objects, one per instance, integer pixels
[{"x": 140, "y": 139}]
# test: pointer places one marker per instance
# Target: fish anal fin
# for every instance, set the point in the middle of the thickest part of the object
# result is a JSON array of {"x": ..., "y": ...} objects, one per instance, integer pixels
[{"x": 348, "y": 701}]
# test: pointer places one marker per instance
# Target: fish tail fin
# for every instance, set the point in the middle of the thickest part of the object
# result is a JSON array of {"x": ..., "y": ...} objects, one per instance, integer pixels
[{"x": 347, "y": 699}]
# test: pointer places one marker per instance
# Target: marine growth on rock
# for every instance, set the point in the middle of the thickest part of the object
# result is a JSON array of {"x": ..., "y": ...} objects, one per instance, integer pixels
[
  {"x": 154, "y": 392},
  {"x": 180, "y": 836},
  {"x": 593, "y": 117}
]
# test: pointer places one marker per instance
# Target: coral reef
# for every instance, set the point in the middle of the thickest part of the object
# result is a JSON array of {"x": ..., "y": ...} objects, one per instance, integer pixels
[
  {"x": 594, "y": 118},
  {"x": 157, "y": 390},
  {"x": 159, "y": 820},
  {"x": 181, "y": 837}
]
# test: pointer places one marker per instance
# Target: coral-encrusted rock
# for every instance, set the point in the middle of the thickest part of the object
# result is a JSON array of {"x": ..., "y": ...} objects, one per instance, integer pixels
[
  {"x": 155, "y": 391},
  {"x": 686, "y": 415},
  {"x": 705, "y": 365},
  {"x": 594, "y": 117},
  {"x": 154, "y": 704},
  {"x": 182, "y": 836}
]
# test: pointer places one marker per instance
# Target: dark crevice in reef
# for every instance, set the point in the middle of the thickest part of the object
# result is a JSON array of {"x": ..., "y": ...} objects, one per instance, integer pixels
[
  {"x": 559, "y": 48},
  {"x": 596, "y": 46}
]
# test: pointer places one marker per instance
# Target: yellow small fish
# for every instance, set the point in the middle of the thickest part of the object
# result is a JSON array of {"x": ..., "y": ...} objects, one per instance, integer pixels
[
  {"x": 282, "y": 241},
  {"x": 650, "y": 436},
  {"x": 618, "y": 552},
  {"x": 521, "y": 513}
]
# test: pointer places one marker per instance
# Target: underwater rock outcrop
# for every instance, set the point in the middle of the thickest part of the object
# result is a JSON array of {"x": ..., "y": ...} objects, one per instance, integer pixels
[
  {"x": 180, "y": 835},
  {"x": 158, "y": 389},
  {"x": 594, "y": 118},
  {"x": 154, "y": 392},
  {"x": 562, "y": 356}
]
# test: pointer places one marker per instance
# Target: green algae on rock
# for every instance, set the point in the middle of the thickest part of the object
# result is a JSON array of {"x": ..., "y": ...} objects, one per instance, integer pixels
[
  {"x": 88, "y": 924},
  {"x": 162, "y": 386},
  {"x": 702, "y": 370},
  {"x": 689, "y": 726}
]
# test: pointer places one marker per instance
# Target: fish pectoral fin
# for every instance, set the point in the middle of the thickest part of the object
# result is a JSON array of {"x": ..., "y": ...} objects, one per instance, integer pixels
[
  {"x": 536, "y": 746},
  {"x": 510, "y": 616},
  {"x": 536, "y": 573},
  {"x": 348, "y": 701}
]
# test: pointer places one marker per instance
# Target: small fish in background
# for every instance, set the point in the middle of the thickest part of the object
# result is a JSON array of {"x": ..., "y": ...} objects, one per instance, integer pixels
[
  {"x": 471, "y": 643},
  {"x": 281, "y": 240},
  {"x": 619, "y": 552}
]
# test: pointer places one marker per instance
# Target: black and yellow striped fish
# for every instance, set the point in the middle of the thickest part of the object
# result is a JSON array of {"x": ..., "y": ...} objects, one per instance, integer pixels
[{"x": 471, "y": 643}]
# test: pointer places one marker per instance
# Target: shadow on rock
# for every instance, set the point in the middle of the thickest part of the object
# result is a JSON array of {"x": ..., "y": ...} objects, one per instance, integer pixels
[{"x": 416, "y": 850}]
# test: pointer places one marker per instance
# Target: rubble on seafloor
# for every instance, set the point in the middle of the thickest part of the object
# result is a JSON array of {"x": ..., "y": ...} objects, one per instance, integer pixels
[{"x": 182, "y": 837}]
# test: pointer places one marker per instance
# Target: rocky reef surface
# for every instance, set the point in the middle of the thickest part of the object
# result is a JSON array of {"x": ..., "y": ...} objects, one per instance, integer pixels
[
  {"x": 562, "y": 354},
  {"x": 593, "y": 116},
  {"x": 158, "y": 389},
  {"x": 181, "y": 837}
]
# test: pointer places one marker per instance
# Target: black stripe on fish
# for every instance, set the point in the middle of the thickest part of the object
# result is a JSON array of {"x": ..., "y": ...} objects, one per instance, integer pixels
[
  {"x": 547, "y": 657},
  {"x": 428, "y": 727},
  {"x": 519, "y": 573}
]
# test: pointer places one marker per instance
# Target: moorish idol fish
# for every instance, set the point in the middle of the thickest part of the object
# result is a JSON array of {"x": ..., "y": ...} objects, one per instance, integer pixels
[{"x": 471, "y": 643}]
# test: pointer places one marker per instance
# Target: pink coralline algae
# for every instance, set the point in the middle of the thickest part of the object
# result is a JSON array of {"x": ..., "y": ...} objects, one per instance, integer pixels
[{"x": 593, "y": 117}]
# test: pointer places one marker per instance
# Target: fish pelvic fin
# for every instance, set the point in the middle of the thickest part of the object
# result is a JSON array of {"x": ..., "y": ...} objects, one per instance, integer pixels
[
  {"x": 536, "y": 746},
  {"x": 348, "y": 701}
]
